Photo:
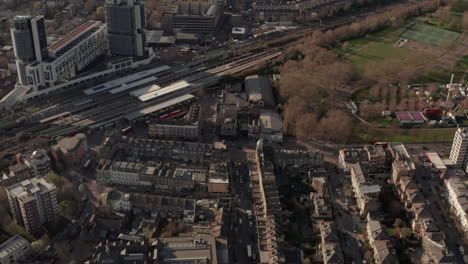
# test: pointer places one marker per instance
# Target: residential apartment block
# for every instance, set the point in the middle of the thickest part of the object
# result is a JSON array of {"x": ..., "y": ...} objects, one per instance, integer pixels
[
  {"x": 267, "y": 207},
  {"x": 150, "y": 149},
  {"x": 402, "y": 164},
  {"x": 18, "y": 173},
  {"x": 42, "y": 66},
  {"x": 322, "y": 208},
  {"x": 71, "y": 151},
  {"x": 152, "y": 206},
  {"x": 378, "y": 157},
  {"x": 29, "y": 164},
  {"x": 458, "y": 199},
  {"x": 38, "y": 161},
  {"x": 366, "y": 192},
  {"x": 330, "y": 247},
  {"x": 381, "y": 243},
  {"x": 458, "y": 154},
  {"x": 125, "y": 27},
  {"x": 164, "y": 176},
  {"x": 33, "y": 203},
  {"x": 422, "y": 222},
  {"x": 15, "y": 250}
]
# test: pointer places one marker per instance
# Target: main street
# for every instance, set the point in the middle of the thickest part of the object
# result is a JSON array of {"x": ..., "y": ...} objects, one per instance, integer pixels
[
  {"x": 243, "y": 227},
  {"x": 347, "y": 222}
]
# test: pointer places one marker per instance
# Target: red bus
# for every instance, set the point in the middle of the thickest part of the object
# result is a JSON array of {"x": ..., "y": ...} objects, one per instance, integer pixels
[
  {"x": 184, "y": 51},
  {"x": 171, "y": 114},
  {"x": 126, "y": 131}
]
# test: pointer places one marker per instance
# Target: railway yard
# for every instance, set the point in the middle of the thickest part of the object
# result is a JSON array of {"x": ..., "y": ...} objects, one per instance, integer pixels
[{"x": 159, "y": 87}]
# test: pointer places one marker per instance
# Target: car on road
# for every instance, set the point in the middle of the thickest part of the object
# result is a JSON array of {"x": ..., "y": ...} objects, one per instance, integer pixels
[
  {"x": 428, "y": 202},
  {"x": 249, "y": 214}
]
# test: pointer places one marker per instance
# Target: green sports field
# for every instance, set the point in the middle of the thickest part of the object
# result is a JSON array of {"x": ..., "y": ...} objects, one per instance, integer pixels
[{"x": 429, "y": 34}]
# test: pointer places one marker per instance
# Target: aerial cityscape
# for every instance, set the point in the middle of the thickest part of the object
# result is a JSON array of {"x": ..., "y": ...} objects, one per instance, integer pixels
[{"x": 234, "y": 131}]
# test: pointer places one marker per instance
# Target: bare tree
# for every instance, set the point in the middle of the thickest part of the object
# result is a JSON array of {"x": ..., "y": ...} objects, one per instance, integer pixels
[
  {"x": 327, "y": 128},
  {"x": 306, "y": 126}
]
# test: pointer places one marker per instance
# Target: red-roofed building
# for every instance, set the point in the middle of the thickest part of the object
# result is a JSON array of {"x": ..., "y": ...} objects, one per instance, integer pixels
[{"x": 410, "y": 117}]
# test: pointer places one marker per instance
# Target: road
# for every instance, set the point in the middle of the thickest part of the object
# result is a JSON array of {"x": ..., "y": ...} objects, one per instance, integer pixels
[
  {"x": 344, "y": 218},
  {"x": 243, "y": 230}
]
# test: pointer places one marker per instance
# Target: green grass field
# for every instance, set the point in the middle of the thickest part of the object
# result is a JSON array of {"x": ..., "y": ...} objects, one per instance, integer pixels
[
  {"x": 388, "y": 35},
  {"x": 443, "y": 76},
  {"x": 415, "y": 135},
  {"x": 378, "y": 51},
  {"x": 375, "y": 47},
  {"x": 429, "y": 34}
]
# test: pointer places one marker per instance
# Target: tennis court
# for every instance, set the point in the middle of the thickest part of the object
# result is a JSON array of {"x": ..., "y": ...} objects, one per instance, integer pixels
[{"x": 429, "y": 34}]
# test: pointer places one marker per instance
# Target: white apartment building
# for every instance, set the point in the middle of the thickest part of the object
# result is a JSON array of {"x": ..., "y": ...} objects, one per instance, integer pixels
[
  {"x": 459, "y": 148},
  {"x": 124, "y": 173},
  {"x": 69, "y": 55},
  {"x": 14, "y": 250},
  {"x": 366, "y": 193},
  {"x": 458, "y": 198}
]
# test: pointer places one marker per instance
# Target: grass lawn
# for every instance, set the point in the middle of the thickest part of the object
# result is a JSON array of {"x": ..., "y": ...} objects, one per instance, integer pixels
[
  {"x": 416, "y": 135},
  {"x": 375, "y": 47},
  {"x": 443, "y": 76},
  {"x": 378, "y": 51},
  {"x": 388, "y": 35},
  {"x": 428, "y": 34}
]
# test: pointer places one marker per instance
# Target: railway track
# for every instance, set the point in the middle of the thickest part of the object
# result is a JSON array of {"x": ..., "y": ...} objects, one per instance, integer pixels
[
  {"x": 99, "y": 108},
  {"x": 122, "y": 104}
]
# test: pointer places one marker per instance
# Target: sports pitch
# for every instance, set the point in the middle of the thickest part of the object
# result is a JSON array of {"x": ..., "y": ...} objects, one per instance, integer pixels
[{"x": 429, "y": 34}]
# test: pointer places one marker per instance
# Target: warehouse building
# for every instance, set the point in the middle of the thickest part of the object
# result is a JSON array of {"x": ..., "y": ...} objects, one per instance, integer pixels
[{"x": 259, "y": 92}]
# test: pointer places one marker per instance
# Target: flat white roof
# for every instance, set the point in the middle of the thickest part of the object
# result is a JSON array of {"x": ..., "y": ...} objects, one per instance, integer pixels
[
  {"x": 131, "y": 85},
  {"x": 145, "y": 90},
  {"x": 166, "y": 90},
  {"x": 436, "y": 160},
  {"x": 127, "y": 79},
  {"x": 157, "y": 107}
]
